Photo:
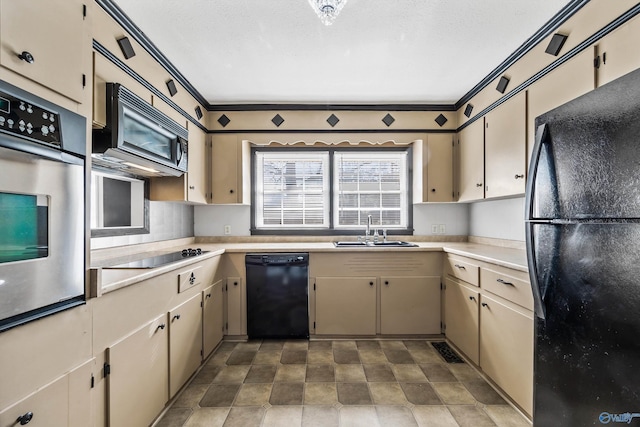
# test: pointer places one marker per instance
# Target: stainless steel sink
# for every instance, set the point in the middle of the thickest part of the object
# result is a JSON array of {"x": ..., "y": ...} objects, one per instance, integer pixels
[{"x": 391, "y": 243}]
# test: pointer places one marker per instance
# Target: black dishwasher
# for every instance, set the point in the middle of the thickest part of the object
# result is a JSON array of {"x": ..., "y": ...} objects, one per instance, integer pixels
[{"x": 277, "y": 295}]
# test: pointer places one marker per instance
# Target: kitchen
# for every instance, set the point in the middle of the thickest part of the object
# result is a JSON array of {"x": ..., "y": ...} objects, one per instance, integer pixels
[{"x": 211, "y": 205}]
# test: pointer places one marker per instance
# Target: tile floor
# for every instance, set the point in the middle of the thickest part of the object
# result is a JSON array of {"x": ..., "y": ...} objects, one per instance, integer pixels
[{"x": 337, "y": 383}]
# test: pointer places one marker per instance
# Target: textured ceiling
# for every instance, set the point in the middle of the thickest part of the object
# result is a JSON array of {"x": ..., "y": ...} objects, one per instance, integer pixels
[{"x": 377, "y": 51}]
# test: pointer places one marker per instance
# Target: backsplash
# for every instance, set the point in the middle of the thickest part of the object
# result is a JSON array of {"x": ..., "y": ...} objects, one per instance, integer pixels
[
  {"x": 498, "y": 219},
  {"x": 166, "y": 221}
]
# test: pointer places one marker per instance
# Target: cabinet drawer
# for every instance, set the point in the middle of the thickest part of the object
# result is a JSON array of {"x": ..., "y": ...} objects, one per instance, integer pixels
[
  {"x": 514, "y": 289},
  {"x": 463, "y": 270},
  {"x": 190, "y": 278}
]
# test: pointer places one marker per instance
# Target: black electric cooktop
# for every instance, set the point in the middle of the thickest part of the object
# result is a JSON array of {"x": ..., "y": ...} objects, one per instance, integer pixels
[{"x": 161, "y": 260}]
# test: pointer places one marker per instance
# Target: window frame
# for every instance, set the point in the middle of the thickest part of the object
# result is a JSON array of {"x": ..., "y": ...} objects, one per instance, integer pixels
[{"x": 331, "y": 230}]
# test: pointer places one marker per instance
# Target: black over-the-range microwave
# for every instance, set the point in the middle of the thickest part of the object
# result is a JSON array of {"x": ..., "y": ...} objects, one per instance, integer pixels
[{"x": 138, "y": 138}]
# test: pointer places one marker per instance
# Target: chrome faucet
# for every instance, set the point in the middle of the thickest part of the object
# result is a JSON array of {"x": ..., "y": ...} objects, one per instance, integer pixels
[{"x": 368, "y": 231}]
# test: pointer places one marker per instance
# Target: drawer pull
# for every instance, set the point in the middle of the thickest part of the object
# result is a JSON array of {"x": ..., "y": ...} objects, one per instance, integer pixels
[
  {"x": 505, "y": 282},
  {"x": 472, "y": 298},
  {"x": 386, "y": 282},
  {"x": 28, "y": 58},
  {"x": 235, "y": 283},
  {"x": 370, "y": 283},
  {"x": 25, "y": 419},
  {"x": 484, "y": 304},
  {"x": 160, "y": 326},
  {"x": 519, "y": 176},
  {"x": 461, "y": 267}
]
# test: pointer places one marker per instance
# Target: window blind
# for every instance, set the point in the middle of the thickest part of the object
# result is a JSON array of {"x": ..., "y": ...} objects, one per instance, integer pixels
[{"x": 292, "y": 190}]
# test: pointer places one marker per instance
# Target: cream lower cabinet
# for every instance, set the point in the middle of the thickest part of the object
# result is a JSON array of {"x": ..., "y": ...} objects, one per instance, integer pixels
[
  {"x": 235, "y": 313},
  {"x": 185, "y": 342},
  {"x": 506, "y": 348},
  {"x": 212, "y": 317},
  {"x": 345, "y": 305},
  {"x": 462, "y": 317},
  {"x": 138, "y": 380},
  {"x": 409, "y": 305},
  {"x": 63, "y": 402}
]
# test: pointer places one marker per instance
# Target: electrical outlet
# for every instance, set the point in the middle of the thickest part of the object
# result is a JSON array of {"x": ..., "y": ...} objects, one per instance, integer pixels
[
  {"x": 434, "y": 229},
  {"x": 442, "y": 229},
  {"x": 227, "y": 229}
]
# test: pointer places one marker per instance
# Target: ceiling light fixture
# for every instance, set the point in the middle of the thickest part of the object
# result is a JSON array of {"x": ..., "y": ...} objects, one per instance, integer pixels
[{"x": 327, "y": 10}]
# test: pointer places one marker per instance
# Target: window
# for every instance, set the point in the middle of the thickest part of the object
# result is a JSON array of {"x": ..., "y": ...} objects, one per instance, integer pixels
[
  {"x": 292, "y": 190},
  {"x": 370, "y": 183},
  {"x": 331, "y": 191}
]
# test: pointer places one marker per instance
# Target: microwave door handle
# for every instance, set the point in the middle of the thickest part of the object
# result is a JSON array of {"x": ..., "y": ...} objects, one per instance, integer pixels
[{"x": 181, "y": 148}]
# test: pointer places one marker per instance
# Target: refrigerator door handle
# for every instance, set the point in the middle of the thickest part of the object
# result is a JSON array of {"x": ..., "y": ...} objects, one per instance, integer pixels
[
  {"x": 533, "y": 272},
  {"x": 541, "y": 137}
]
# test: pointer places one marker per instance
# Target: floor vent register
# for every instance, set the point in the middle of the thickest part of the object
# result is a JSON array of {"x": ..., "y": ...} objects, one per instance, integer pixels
[{"x": 447, "y": 352}]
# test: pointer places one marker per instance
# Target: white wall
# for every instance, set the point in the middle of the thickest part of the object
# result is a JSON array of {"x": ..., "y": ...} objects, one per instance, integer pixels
[
  {"x": 499, "y": 219},
  {"x": 210, "y": 220}
]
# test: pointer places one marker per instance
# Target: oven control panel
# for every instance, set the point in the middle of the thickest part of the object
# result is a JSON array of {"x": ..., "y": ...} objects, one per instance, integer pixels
[{"x": 27, "y": 120}]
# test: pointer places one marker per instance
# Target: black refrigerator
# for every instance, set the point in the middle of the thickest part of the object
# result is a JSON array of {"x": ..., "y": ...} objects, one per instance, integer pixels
[{"x": 583, "y": 250}]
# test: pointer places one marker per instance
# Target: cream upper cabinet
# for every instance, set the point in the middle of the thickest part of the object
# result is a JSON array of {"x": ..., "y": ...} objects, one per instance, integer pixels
[
  {"x": 438, "y": 163},
  {"x": 139, "y": 367},
  {"x": 230, "y": 175},
  {"x": 506, "y": 348},
  {"x": 53, "y": 36},
  {"x": 185, "y": 342},
  {"x": 461, "y": 317},
  {"x": 190, "y": 187},
  {"x": 345, "y": 305},
  {"x": 618, "y": 52},
  {"x": 212, "y": 317},
  {"x": 572, "y": 79},
  {"x": 471, "y": 161},
  {"x": 409, "y": 305},
  {"x": 505, "y": 148}
]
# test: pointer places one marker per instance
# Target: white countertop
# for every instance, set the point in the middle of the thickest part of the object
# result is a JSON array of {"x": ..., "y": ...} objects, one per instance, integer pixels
[{"x": 106, "y": 280}]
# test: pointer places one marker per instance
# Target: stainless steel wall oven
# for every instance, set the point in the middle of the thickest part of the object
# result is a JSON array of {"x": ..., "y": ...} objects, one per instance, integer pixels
[{"x": 42, "y": 208}]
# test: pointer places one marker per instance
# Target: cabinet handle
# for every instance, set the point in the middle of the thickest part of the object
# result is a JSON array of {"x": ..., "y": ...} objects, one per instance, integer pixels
[
  {"x": 27, "y": 57},
  {"x": 192, "y": 187},
  {"x": 208, "y": 295},
  {"x": 235, "y": 283},
  {"x": 386, "y": 282},
  {"x": 479, "y": 184},
  {"x": 25, "y": 419},
  {"x": 176, "y": 317},
  {"x": 370, "y": 283},
  {"x": 230, "y": 191},
  {"x": 472, "y": 298},
  {"x": 484, "y": 304},
  {"x": 504, "y": 282},
  {"x": 433, "y": 190},
  {"x": 160, "y": 326},
  {"x": 519, "y": 176},
  {"x": 461, "y": 267}
]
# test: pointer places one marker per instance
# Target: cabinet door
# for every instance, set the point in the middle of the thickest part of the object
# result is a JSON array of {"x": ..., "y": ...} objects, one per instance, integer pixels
[
  {"x": 506, "y": 348},
  {"x": 346, "y": 305},
  {"x": 506, "y": 147},
  {"x": 410, "y": 305},
  {"x": 46, "y": 407},
  {"x": 225, "y": 158},
  {"x": 54, "y": 33},
  {"x": 619, "y": 52},
  {"x": 185, "y": 342},
  {"x": 212, "y": 317},
  {"x": 196, "y": 177},
  {"x": 139, "y": 368},
  {"x": 234, "y": 306},
  {"x": 461, "y": 318},
  {"x": 439, "y": 168},
  {"x": 81, "y": 395},
  {"x": 471, "y": 152}
]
